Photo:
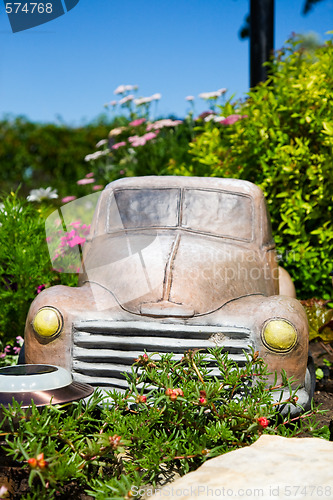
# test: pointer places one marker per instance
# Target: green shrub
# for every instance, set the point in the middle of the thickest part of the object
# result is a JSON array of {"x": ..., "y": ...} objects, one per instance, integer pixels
[
  {"x": 24, "y": 263},
  {"x": 35, "y": 155},
  {"x": 172, "y": 417},
  {"x": 282, "y": 140}
]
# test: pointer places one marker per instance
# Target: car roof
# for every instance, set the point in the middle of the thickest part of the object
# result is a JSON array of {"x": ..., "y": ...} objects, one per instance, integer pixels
[{"x": 169, "y": 181}]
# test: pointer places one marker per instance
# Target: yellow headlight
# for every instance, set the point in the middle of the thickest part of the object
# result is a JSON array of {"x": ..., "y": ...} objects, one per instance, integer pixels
[
  {"x": 48, "y": 322},
  {"x": 279, "y": 335}
]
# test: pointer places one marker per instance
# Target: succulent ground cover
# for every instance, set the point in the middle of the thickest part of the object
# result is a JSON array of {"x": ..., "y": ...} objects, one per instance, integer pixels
[{"x": 173, "y": 416}]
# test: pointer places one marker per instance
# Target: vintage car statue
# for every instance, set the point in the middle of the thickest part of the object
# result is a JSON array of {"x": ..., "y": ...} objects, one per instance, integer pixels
[{"x": 171, "y": 264}]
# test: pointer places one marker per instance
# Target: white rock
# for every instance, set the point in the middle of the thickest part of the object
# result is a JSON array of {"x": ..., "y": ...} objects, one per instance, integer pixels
[{"x": 273, "y": 467}]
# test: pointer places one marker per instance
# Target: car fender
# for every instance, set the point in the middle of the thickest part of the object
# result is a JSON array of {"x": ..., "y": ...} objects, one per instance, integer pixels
[
  {"x": 286, "y": 285},
  {"x": 254, "y": 312},
  {"x": 71, "y": 303}
]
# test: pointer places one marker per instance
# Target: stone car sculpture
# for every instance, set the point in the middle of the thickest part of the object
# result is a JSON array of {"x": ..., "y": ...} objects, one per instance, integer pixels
[{"x": 171, "y": 264}]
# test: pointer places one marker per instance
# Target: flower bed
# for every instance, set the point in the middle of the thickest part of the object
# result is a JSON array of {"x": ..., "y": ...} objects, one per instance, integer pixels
[{"x": 172, "y": 418}]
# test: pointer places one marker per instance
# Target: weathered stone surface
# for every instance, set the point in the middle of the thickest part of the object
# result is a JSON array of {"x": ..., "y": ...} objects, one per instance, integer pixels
[{"x": 273, "y": 467}]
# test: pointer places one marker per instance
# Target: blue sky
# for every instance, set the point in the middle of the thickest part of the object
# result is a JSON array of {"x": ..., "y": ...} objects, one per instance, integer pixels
[{"x": 68, "y": 68}]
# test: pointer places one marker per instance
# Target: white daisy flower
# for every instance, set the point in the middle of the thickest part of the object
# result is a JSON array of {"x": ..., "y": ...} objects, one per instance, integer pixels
[{"x": 42, "y": 194}]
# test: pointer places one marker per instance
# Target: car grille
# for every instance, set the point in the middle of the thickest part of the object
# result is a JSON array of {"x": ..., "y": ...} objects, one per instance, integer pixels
[{"x": 104, "y": 350}]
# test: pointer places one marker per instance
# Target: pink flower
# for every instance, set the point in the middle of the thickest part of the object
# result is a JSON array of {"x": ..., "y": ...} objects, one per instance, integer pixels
[
  {"x": 212, "y": 95},
  {"x": 97, "y": 187},
  {"x": 17, "y": 350},
  {"x": 88, "y": 176},
  {"x": 126, "y": 99},
  {"x": 150, "y": 135},
  {"x": 189, "y": 98},
  {"x": 131, "y": 87},
  {"x": 120, "y": 89},
  {"x": 64, "y": 240},
  {"x": 142, "y": 100},
  {"x": 81, "y": 182},
  {"x": 77, "y": 240},
  {"x": 7, "y": 349},
  {"x": 124, "y": 88},
  {"x": 136, "y": 123},
  {"x": 167, "y": 122},
  {"x": 231, "y": 119},
  {"x": 135, "y": 140},
  {"x": 19, "y": 340},
  {"x": 67, "y": 199},
  {"x": 118, "y": 145},
  {"x": 75, "y": 224},
  {"x": 40, "y": 288}
]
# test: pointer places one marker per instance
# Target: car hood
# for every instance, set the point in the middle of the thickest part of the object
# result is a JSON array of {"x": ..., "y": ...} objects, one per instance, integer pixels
[{"x": 174, "y": 273}]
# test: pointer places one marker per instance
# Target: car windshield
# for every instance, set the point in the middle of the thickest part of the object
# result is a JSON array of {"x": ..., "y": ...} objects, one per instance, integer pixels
[
  {"x": 206, "y": 211},
  {"x": 218, "y": 212},
  {"x": 141, "y": 208}
]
